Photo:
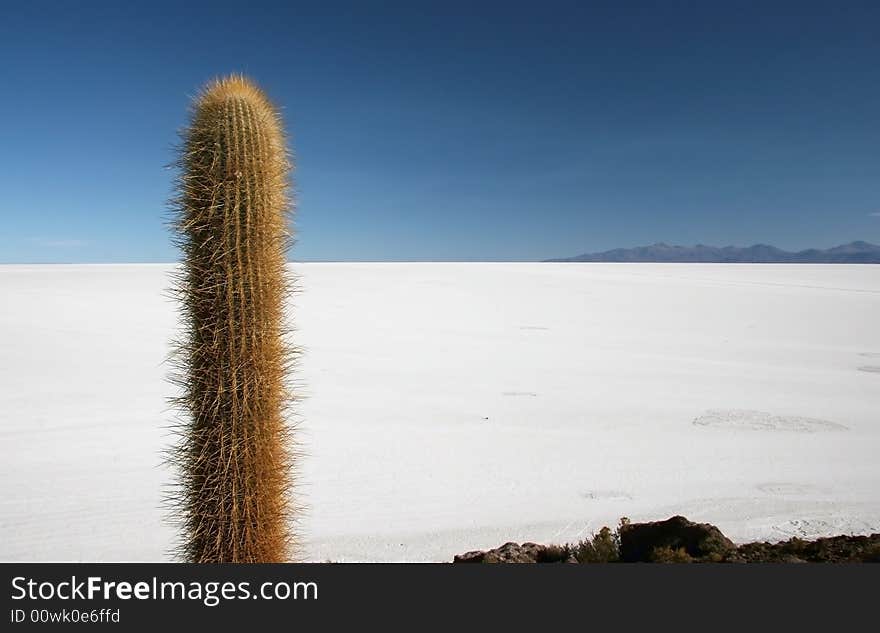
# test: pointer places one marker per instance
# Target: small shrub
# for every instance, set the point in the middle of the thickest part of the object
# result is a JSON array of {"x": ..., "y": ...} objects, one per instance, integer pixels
[
  {"x": 871, "y": 554},
  {"x": 554, "y": 554},
  {"x": 669, "y": 555},
  {"x": 603, "y": 547},
  {"x": 796, "y": 546}
]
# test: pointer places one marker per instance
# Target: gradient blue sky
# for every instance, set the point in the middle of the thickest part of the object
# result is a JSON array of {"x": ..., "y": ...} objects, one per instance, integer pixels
[{"x": 454, "y": 130}]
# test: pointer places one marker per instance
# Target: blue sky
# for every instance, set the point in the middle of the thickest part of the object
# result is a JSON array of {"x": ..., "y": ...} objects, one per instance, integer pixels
[{"x": 454, "y": 130}]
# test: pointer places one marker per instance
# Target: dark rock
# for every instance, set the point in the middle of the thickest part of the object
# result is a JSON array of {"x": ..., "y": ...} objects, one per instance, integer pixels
[
  {"x": 476, "y": 556},
  {"x": 516, "y": 553},
  {"x": 507, "y": 553},
  {"x": 639, "y": 540}
]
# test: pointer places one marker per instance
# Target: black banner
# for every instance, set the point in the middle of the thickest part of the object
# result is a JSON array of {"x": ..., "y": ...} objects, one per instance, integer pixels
[{"x": 148, "y": 596}]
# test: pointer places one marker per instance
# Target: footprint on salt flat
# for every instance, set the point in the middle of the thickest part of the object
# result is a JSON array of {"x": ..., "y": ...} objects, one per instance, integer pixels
[
  {"x": 747, "y": 420},
  {"x": 531, "y": 394},
  {"x": 815, "y": 528},
  {"x": 874, "y": 369},
  {"x": 805, "y": 528},
  {"x": 534, "y": 327},
  {"x": 606, "y": 495},
  {"x": 786, "y": 488}
]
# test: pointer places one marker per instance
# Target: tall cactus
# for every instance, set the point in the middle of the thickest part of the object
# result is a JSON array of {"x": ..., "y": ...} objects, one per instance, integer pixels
[{"x": 231, "y": 224}]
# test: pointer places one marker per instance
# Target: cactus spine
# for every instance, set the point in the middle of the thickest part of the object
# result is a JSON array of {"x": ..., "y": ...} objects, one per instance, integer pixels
[{"x": 231, "y": 223}]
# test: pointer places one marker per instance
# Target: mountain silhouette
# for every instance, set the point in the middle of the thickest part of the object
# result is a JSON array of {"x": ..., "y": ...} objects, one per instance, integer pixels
[{"x": 853, "y": 253}]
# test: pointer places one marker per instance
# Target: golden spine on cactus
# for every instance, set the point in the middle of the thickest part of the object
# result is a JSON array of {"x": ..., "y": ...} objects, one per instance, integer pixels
[{"x": 233, "y": 457}]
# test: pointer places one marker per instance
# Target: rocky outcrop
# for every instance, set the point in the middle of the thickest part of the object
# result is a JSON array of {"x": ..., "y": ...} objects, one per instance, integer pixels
[
  {"x": 516, "y": 553},
  {"x": 834, "y": 549},
  {"x": 678, "y": 540},
  {"x": 640, "y": 541}
]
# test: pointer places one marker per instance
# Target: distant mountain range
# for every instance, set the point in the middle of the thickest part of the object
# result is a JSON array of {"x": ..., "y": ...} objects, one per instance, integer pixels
[{"x": 852, "y": 253}]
